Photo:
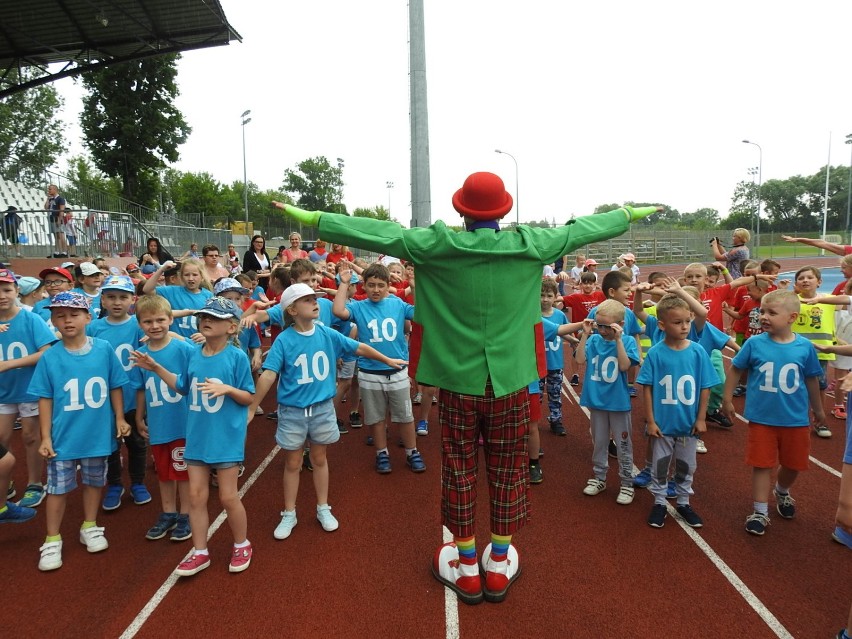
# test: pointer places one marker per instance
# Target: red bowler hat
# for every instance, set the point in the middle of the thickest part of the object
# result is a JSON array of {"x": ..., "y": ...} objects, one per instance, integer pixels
[{"x": 482, "y": 197}]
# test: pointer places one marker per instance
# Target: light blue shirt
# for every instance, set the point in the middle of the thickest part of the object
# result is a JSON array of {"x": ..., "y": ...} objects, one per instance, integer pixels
[
  {"x": 306, "y": 364},
  {"x": 776, "y": 392},
  {"x": 381, "y": 325},
  {"x": 676, "y": 379},
  {"x": 165, "y": 410},
  {"x": 27, "y": 333},
  {"x": 124, "y": 338},
  {"x": 215, "y": 427},
  {"x": 553, "y": 348},
  {"x": 82, "y": 422},
  {"x": 604, "y": 386},
  {"x": 180, "y": 298}
]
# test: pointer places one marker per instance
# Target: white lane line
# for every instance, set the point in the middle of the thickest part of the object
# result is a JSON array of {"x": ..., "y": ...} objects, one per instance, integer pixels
[
  {"x": 451, "y": 601},
  {"x": 751, "y": 599},
  {"x": 149, "y": 608}
]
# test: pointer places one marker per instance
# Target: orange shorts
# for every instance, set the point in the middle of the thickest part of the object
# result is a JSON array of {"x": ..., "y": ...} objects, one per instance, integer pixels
[
  {"x": 769, "y": 446},
  {"x": 168, "y": 459}
]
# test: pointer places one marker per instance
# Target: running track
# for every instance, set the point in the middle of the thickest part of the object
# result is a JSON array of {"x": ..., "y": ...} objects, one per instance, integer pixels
[{"x": 591, "y": 568}]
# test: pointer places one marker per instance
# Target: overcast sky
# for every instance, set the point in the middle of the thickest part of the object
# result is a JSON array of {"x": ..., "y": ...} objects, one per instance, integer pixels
[{"x": 598, "y": 101}]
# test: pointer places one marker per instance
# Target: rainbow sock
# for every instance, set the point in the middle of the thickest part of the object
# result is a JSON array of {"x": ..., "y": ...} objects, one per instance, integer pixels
[
  {"x": 467, "y": 549},
  {"x": 88, "y": 524},
  {"x": 500, "y": 546}
]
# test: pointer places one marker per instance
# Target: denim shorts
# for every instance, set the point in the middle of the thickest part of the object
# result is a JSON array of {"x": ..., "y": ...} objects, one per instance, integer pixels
[
  {"x": 62, "y": 475},
  {"x": 317, "y": 423},
  {"x": 217, "y": 465}
]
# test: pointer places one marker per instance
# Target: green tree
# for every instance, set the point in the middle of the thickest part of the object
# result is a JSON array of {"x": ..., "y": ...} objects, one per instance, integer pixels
[
  {"x": 84, "y": 176},
  {"x": 704, "y": 219},
  {"x": 130, "y": 123},
  {"x": 378, "y": 212},
  {"x": 195, "y": 193},
  {"x": 318, "y": 185},
  {"x": 743, "y": 206},
  {"x": 31, "y": 134}
]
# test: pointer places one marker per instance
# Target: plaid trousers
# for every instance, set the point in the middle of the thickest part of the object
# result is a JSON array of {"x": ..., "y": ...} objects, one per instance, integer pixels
[{"x": 503, "y": 424}]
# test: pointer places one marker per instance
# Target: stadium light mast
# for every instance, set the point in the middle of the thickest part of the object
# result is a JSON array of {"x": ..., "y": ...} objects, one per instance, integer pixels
[
  {"x": 517, "y": 190},
  {"x": 245, "y": 120},
  {"x": 759, "y": 184}
]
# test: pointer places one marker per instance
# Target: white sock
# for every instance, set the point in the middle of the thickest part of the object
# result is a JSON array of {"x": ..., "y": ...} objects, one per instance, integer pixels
[
  {"x": 244, "y": 544},
  {"x": 200, "y": 551},
  {"x": 780, "y": 490},
  {"x": 761, "y": 507}
]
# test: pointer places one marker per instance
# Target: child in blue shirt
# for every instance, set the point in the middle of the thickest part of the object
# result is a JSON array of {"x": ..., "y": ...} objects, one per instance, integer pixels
[
  {"x": 552, "y": 382},
  {"x": 121, "y": 330},
  {"x": 56, "y": 280},
  {"x": 218, "y": 382},
  {"x": 249, "y": 340},
  {"x": 609, "y": 354},
  {"x": 161, "y": 416},
  {"x": 380, "y": 320},
  {"x": 24, "y": 336},
  {"x": 783, "y": 378},
  {"x": 192, "y": 294},
  {"x": 677, "y": 376},
  {"x": 89, "y": 279},
  {"x": 303, "y": 359},
  {"x": 79, "y": 385}
]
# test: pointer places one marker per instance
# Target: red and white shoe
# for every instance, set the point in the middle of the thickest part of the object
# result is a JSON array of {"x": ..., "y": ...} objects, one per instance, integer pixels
[
  {"x": 499, "y": 575},
  {"x": 461, "y": 578}
]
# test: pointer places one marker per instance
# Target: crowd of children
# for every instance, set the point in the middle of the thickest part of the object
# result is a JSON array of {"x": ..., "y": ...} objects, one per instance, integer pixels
[{"x": 91, "y": 360}]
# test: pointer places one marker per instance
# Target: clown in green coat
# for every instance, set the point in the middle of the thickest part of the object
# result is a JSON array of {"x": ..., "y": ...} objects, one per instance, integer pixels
[{"x": 478, "y": 301}]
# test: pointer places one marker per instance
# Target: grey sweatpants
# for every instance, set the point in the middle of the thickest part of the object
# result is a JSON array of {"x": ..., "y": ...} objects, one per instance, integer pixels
[
  {"x": 615, "y": 424},
  {"x": 682, "y": 449}
]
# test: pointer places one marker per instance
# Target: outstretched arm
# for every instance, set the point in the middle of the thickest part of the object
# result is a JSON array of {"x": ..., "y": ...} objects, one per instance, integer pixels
[{"x": 839, "y": 249}]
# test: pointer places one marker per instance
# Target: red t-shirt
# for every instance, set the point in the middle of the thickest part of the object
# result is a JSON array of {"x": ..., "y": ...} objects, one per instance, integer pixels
[
  {"x": 738, "y": 298},
  {"x": 752, "y": 323},
  {"x": 334, "y": 258},
  {"x": 838, "y": 290},
  {"x": 580, "y": 304},
  {"x": 712, "y": 299}
]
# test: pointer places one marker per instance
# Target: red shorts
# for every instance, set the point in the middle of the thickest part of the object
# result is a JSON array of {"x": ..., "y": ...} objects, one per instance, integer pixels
[
  {"x": 770, "y": 445},
  {"x": 168, "y": 459}
]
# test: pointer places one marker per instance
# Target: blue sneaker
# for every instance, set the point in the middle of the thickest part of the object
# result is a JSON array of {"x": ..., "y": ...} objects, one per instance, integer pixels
[
  {"x": 15, "y": 514},
  {"x": 33, "y": 496},
  {"x": 112, "y": 499},
  {"x": 671, "y": 491},
  {"x": 182, "y": 530},
  {"x": 165, "y": 523},
  {"x": 631, "y": 390},
  {"x": 415, "y": 462},
  {"x": 383, "y": 465},
  {"x": 423, "y": 427},
  {"x": 140, "y": 494},
  {"x": 642, "y": 479}
]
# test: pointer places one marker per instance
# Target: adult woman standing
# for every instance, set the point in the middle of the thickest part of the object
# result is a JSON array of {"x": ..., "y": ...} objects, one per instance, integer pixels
[
  {"x": 257, "y": 259},
  {"x": 295, "y": 252},
  {"x": 738, "y": 252},
  {"x": 154, "y": 257},
  {"x": 339, "y": 252}
]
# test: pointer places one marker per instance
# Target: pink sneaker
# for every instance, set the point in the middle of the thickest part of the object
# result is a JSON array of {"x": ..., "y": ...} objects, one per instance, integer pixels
[
  {"x": 499, "y": 575},
  {"x": 193, "y": 565},
  {"x": 241, "y": 559},
  {"x": 462, "y": 579}
]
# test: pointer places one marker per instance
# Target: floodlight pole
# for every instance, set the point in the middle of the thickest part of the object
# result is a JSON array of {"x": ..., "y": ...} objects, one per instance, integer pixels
[
  {"x": 759, "y": 184},
  {"x": 245, "y": 120},
  {"x": 390, "y": 186},
  {"x": 517, "y": 188}
]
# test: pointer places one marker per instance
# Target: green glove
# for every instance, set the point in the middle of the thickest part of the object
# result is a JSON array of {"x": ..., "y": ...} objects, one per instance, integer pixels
[
  {"x": 309, "y": 218},
  {"x": 637, "y": 213}
]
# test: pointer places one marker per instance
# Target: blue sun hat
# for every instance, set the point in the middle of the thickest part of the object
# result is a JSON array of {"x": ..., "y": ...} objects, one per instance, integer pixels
[
  {"x": 27, "y": 285},
  {"x": 355, "y": 279},
  {"x": 220, "y": 308},
  {"x": 229, "y": 284},
  {"x": 121, "y": 283},
  {"x": 69, "y": 299}
]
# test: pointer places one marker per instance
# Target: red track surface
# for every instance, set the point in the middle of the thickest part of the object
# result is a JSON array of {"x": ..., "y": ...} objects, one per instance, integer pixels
[{"x": 591, "y": 568}]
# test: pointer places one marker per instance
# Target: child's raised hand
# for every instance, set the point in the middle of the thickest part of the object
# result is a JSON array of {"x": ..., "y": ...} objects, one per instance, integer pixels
[
  {"x": 719, "y": 265},
  {"x": 142, "y": 360},
  {"x": 783, "y": 285},
  {"x": 198, "y": 338},
  {"x": 248, "y": 321},
  {"x": 588, "y": 326},
  {"x": 618, "y": 330},
  {"x": 671, "y": 285},
  {"x": 168, "y": 264},
  {"x": 345, "y": 274}
]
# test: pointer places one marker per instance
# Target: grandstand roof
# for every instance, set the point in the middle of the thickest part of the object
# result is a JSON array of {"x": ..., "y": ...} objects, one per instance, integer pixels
[{"x": 88, "y": 34}]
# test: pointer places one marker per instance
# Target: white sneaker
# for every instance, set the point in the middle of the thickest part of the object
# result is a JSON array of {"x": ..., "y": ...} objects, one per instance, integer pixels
[
  {"x": 93, "y": 539},
  {"x": 51, "y": 556},
  {"x": 594, "y": 487},
  {"x": 288, "y": 523},
  {"x": 625, "y": 495},
  {"x": 326, "y": 519},
  {"x": 258, "y": 410},
  {"x": 700, "y": 447}
]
